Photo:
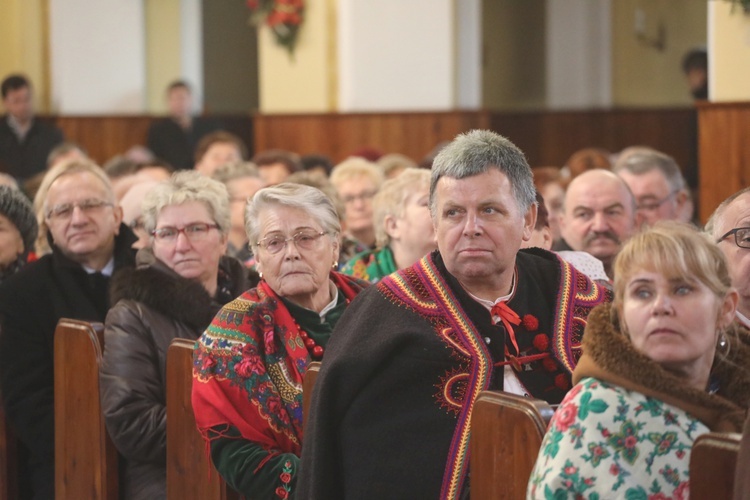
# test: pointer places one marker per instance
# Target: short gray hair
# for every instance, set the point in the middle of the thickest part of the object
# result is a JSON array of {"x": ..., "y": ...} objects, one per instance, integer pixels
[
  {"x": 712, "y": 226},
  {"x": 183, "y": 187},
  {"x": 644, "y": 161},
  {"x": 311, "y": 200},
  {"x": 478, "y": 151}
]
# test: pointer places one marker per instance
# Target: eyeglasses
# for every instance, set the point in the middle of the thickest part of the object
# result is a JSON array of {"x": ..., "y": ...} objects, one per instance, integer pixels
[
  {"x": 741, "y": 236},
  {"x": 654, "y": 205},
  {"x": 193, "y": 232},
  {"x": 364, "y": 196},
  {"x": 64, "y": 211},
  {"x": 305, "y": 240}
]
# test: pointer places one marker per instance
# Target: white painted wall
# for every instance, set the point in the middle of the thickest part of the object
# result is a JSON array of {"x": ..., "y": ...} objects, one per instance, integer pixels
[
  {"x": 728, "y": 53},
  {"x": 191, "y": 56},
  {"x": 97, "y": 53},
  {"x": 469, "y": 54},
  {"x": 578, "y": 54},
  {"x": 396, "y": 55}
]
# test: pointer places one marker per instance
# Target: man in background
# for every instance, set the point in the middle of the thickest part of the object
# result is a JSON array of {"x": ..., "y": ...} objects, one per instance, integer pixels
[
  {"x": 173, "y": 139},
  {"x": 657, "y": 184},
  {"x": 25, "y": 142},
  {"x": 599, "y": 215}
]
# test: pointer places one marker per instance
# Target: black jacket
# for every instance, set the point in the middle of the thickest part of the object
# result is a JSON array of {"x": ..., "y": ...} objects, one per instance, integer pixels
[
  {"x": 153, "y": 305},
  {"x": 31, "y": 303},
  {"x": 25, "y": 159}
]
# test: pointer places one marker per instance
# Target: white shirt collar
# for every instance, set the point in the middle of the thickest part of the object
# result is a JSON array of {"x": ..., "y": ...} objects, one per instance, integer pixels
[
  {"x": 106, "y": 270},
  {"x": 489, "y": 303},
  {"x": 331, "y": 304}
]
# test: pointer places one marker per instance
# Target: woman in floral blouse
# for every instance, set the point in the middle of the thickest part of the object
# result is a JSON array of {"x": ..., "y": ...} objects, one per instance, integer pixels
[
  {"x": 661, "y": 365},
  {"x": 250, "y": 362}
]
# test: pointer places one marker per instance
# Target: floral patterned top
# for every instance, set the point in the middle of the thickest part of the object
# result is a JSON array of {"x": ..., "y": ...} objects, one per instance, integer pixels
[{"x": 608, "y": 442}]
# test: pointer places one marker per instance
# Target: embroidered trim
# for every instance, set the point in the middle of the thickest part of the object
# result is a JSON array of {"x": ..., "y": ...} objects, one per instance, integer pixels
[{"x": 422, "y": 289}]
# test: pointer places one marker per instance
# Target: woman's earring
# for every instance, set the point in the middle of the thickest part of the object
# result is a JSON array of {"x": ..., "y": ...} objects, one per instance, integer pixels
[
  {"x": 260, "y": 275},
  {"x": 335, "y": 264},
  {"x": 723, "y": 342}
]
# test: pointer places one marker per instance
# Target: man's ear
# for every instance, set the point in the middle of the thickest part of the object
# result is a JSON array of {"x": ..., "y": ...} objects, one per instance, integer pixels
[
  {"x": 529, "y": 221},
  {"x": 117, "y": 211}
]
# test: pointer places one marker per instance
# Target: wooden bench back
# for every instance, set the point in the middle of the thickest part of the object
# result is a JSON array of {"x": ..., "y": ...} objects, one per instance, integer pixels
[
  {"x": 85, "y": 457},
  {"x": 506, "y": 434},
  {"x": 190, "y": 473},
  {"x": 311, "y": 375},
  {"x": 8, "y": 460},
  {"x": 742, "y": 470},
  {"x": 8, "y": 457},
  {"x": 712, "y": 464}
]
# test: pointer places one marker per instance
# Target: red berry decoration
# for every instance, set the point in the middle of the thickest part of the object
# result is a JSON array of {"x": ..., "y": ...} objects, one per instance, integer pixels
[
  {"x": 530, "y": 322},
  {"x": 549, "y": 364},
  {"x": 541, "y": 342},
  {"x": 562, "y": 382},
  {"x": 317, "y": 352}
]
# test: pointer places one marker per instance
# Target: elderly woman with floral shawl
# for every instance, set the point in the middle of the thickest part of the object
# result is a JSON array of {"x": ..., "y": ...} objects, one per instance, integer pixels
[
  {"x": 250, "y": 362},
  {"x": 660, "y": 367}
]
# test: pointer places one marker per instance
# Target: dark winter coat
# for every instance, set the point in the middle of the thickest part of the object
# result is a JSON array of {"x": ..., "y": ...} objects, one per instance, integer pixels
[
  {"x": 153, "y": 305},
  {"x": 31, "y": 303}
]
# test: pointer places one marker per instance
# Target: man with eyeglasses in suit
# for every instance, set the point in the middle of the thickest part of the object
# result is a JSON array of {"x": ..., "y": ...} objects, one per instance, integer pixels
[
  {"x": 89, "y": 242},
  {"x": 656, "y": 183},
  {"x": 729, "y": 226}
]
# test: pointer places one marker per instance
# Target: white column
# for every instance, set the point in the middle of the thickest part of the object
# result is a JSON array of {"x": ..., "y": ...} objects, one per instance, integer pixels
[
  {"x": 191, "y": 56},
  {"x": 97, "y": 54},
  {"x": 578, "y": 54},
  {"x": 469, "y": 54},
  {"x": 396, "y": 55}
]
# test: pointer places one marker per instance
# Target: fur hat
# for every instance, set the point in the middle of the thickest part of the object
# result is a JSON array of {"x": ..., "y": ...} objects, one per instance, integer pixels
[{"x": 18, "y": 210}]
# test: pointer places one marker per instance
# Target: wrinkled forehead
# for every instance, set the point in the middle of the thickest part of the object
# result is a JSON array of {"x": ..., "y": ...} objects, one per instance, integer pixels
[
  {"x": 598, "y": 195},
  {"x": 736, "y": 214},
  {"x": 77, "y": 186}
]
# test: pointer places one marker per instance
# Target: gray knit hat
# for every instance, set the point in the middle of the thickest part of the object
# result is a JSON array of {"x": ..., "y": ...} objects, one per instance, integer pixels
[{"x": 18, "y": 209}]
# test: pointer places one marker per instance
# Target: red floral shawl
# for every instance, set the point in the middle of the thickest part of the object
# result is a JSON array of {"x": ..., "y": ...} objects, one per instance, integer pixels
[{"x": 248, "y": 368}]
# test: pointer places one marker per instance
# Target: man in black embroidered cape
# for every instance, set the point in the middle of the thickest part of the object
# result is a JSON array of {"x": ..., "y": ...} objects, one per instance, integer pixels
[{"x": 390, "y": 414}]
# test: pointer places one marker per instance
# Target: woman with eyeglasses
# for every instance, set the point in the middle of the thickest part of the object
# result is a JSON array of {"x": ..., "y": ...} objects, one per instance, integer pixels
[
  {"x": 181, "y": 279},
  {"x": 250, "y": 362},
  {"x": 662, "y": 365}
]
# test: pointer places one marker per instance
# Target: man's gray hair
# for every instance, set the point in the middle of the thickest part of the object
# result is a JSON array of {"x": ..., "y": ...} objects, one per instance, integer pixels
[
  {"x": 714, "y": 222},
  {"x": 478, "y": 151},
  {"x": 183, "y": 187},
  {"x": 645, "y": 161},
  {"x": 307, "y": 198}
]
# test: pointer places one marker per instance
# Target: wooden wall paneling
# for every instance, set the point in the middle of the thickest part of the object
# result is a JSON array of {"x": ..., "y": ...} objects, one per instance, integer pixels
[
  {"x": 338, "y": 135},
  {"x": 106, "y": 136},
  {"x": 723, "y": 152},
  {"x": 549, "y": 138}
]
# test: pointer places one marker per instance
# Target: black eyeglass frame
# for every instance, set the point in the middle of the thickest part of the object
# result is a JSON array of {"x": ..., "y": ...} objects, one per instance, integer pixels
[{"x": 737, "y": 239}]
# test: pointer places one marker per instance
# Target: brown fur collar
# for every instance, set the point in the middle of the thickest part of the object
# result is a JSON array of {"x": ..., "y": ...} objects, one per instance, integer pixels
[
  {"x": 157, "y": 286},
  {"x": 608, "y": 355}
]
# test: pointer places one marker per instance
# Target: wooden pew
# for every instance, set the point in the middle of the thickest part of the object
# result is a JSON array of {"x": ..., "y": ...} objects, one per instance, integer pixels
[
  {"x": 8, "y": 460},
  {"x": 307, "y": 387},
  {"x": 712, "y": 465},
  {"x": 85, "y": 457},
  {"x": 190, "y": 473},
  {"x": 741, "y": 478},
  {"x": 506, "y": 434}
]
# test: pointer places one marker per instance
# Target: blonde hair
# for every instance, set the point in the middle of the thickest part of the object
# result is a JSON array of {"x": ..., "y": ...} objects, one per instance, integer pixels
[
  {"x": 676, "y": 250},
  {"x": 354, "y": 167},
  {"x": 391, "y": 199}
]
